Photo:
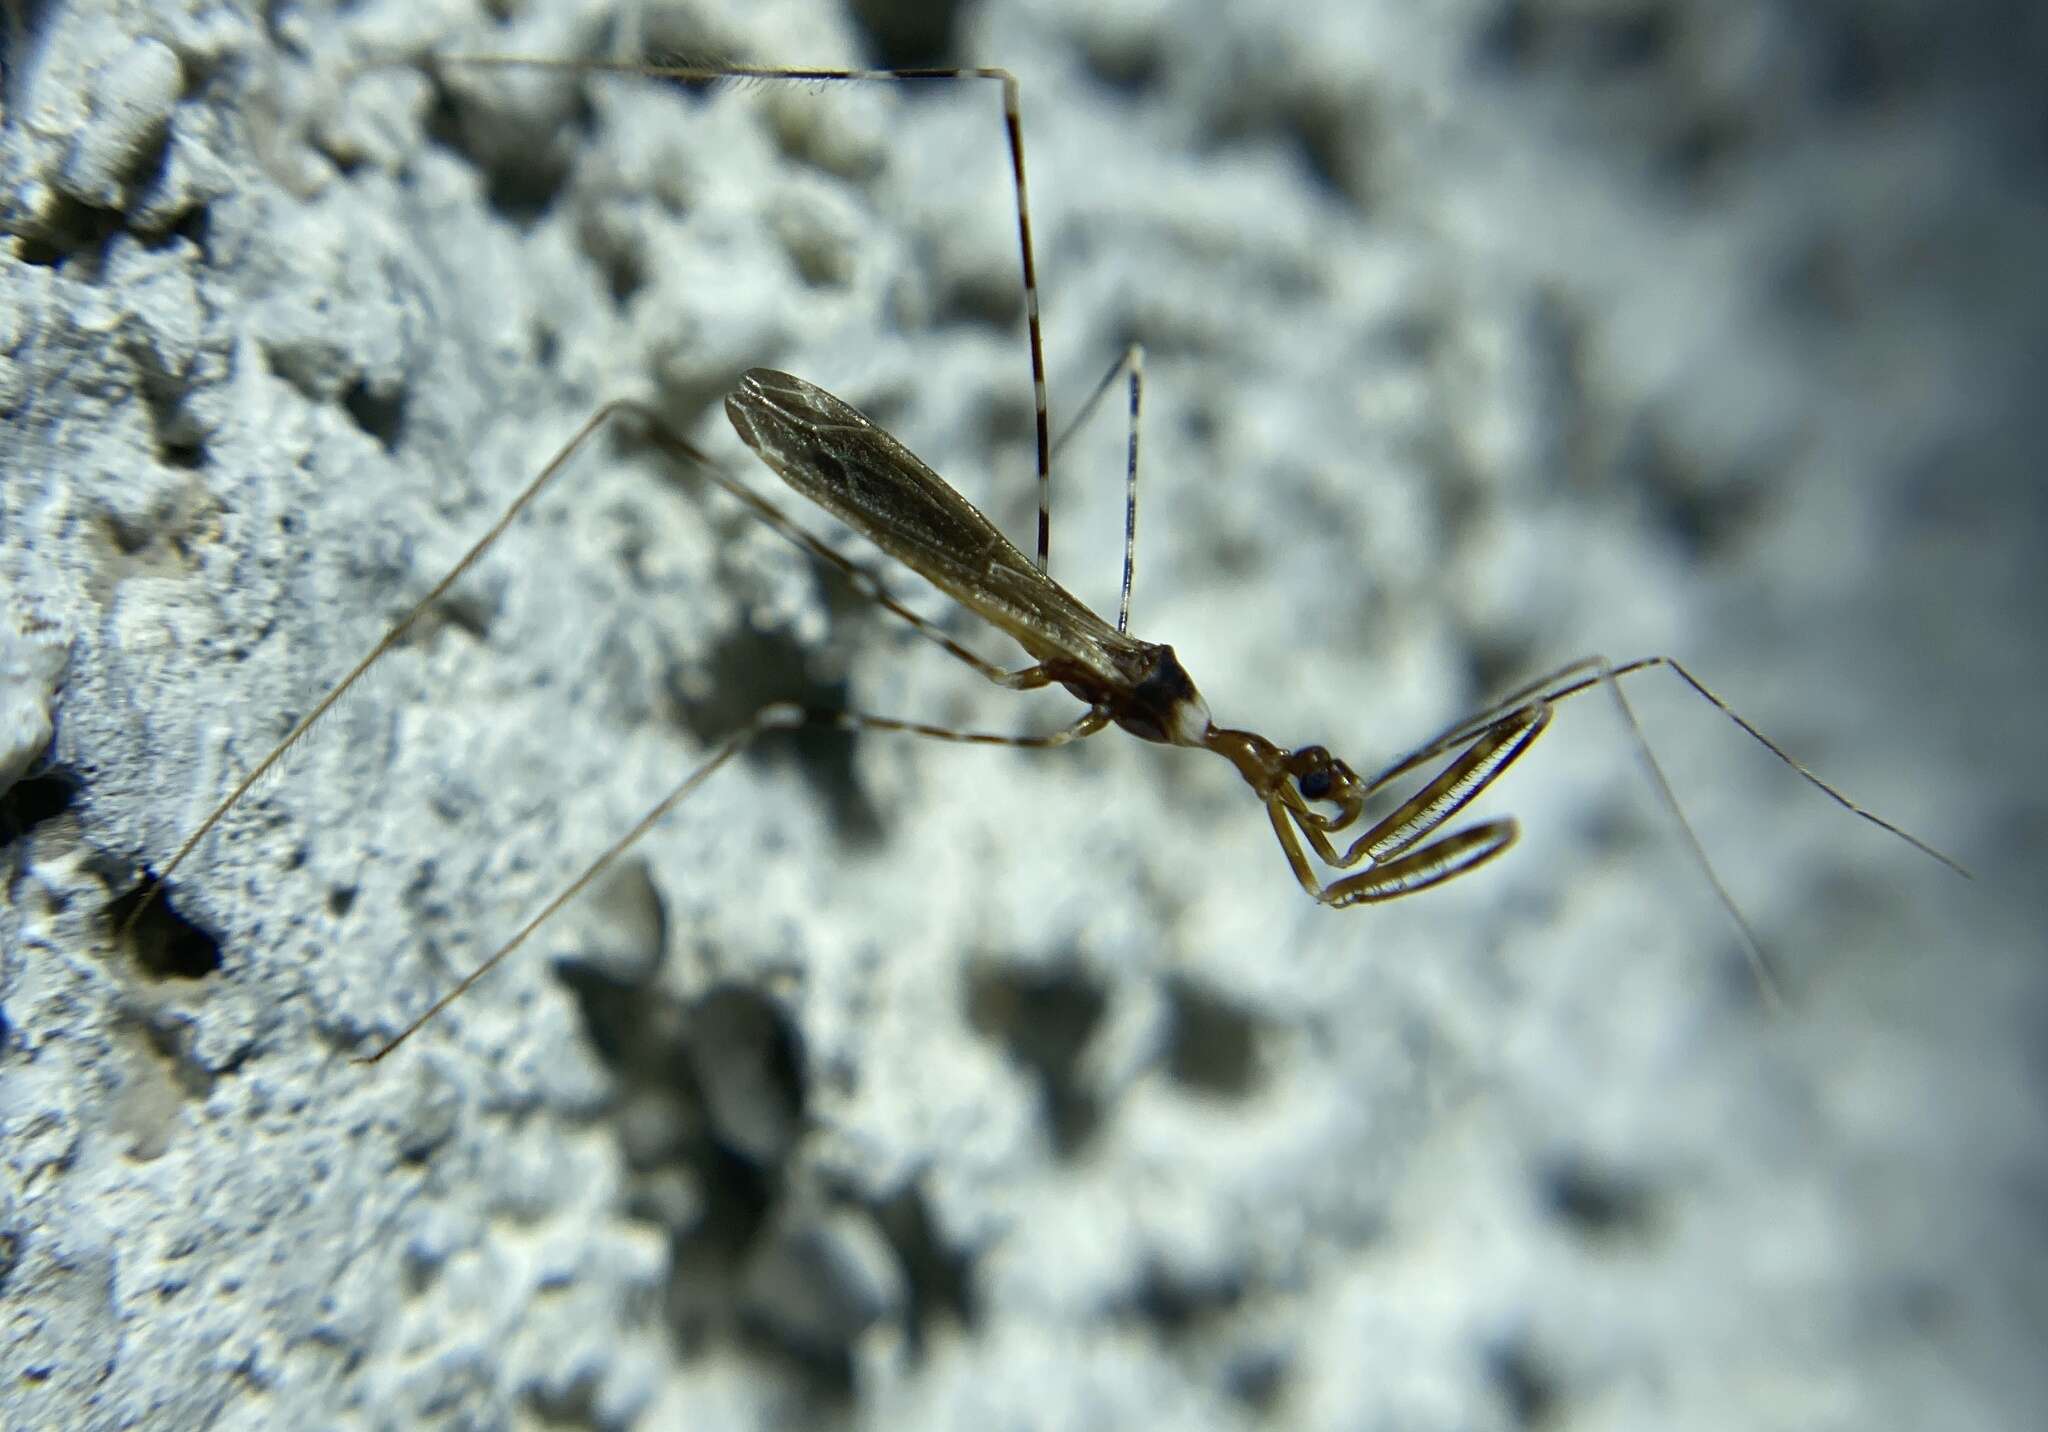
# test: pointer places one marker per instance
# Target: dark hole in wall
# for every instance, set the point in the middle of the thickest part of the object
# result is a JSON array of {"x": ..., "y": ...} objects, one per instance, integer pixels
[
  {"x": 381, "y": 414},
  {"x": 30, "y": 802},
  {"x": 163, "y": 943}
]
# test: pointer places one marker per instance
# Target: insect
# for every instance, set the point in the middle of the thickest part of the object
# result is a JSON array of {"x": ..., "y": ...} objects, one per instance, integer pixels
[{"x": 853, "y": 469}]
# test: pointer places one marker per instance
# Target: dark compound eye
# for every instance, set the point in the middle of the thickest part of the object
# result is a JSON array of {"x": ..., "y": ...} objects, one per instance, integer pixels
[{"x": 1315, "y": 785}]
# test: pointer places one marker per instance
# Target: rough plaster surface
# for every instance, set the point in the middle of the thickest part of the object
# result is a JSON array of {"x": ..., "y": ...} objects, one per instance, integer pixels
[{"x": 904, "y": 1085}]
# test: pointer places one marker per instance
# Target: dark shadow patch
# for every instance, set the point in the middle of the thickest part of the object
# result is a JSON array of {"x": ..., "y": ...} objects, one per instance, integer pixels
[
  {"x": 1257, "y": 1377},
  {"x": 381, "y": 414},
  {"x": 1045, "y": 1019},
  {"x": 1497, "y": 663},
  {"x": 21, "y": 33},
  {"x": 1333, "y": 140},
  {"x": 31, "y": 802},
  {"x": 1593, "y": 43},
  {"x": 625, "y": 272},
  {"x": 1213, "y": 1046},
  {"x": 940, "y": 1278},
  {"x": 1705, "y": 513},
  {"x": 989, "y": 296},
  {"x": 572, "y": 1404},
  {"x": 1598, "y": 1205},
  {"x": 195, "y": 226},
  {"x": 712, "y": 1101},
  {"x": 1130, "y": 64},
  {"x": 1199, "y": 1317},
  {"x": 707, "y": 1259},
  {"x": 179, "y": 439},
  {"x": 525, "y": 157},
  {"x": 751, "y": 669},
  {"x": 1329, "y": 129},
  {"x": 1704, "y": 149},
  {"x": 1006, "y": 418},
  {"x": 11, "y": 1241},
  {"x": 1559, "y": 342},
  {"x": 1524, "y": 1384},
  {"x": 749, "y": 1065},
  {"x": 610, "y": 242},
  {"x": 162, "y": 942},
  {"x": 168, "y": 1043},
  {"x": 68, "y": 233},
  {"x": 1869, "y": 57},
  {"x": 1182, "y": 1307},
  {"x": 811, "y": 1291},
  {"x": 168, "y": 539},
  {"x": 904, "y": 34},
  {"x": 340, "y": 900}
]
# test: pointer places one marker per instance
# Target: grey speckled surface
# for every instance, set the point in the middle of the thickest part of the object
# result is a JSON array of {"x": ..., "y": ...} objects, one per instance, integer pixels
[{"x": 903, "y": 1085}]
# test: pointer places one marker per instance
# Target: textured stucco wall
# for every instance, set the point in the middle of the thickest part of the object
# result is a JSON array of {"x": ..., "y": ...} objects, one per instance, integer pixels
[{"x": 900, "y": 1084}]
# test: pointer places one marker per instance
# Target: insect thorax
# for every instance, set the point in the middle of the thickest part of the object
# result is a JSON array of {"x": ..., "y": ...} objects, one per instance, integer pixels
[{"x": 1161, "y": 703}]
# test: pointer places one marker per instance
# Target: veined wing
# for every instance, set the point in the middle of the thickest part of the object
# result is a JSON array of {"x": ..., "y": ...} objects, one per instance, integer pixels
[{"x": 855, "y": 470}]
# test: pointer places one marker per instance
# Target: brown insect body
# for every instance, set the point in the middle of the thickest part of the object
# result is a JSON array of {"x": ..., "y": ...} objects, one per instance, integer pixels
[{"x": 836, "y": 457}]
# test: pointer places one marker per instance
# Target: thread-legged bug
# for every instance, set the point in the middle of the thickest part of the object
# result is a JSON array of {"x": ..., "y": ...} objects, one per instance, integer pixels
[{"x": 837, "y": 458}]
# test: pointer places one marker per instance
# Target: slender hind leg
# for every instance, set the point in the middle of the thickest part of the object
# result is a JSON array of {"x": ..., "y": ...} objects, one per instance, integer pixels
[
  {"x": 668, "y": 441},
  {"x": 1560, "y": 685},
  {"x": 779, "y": 717}
]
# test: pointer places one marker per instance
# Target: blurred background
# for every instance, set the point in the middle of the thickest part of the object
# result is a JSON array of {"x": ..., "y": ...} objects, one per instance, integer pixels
[{"x": 895, "y": 1084}]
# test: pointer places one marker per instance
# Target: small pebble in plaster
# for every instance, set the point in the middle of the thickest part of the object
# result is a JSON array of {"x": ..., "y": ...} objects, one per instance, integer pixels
[
  {"x": 33, "y": 655},
  {"x": 133, "y": 96}
]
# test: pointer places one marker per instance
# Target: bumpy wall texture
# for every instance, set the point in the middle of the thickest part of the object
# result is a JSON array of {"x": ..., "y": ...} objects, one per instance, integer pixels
[{"x": 895, "y": 1084}]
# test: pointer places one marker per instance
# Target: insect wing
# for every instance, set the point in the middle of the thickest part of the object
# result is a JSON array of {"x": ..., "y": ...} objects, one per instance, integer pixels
[{"x": 855, "y": 470}]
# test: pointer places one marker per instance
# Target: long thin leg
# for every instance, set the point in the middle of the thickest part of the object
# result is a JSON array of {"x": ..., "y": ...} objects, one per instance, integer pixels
[
  {"x": 390, "y": 639},
  {"x": 1591, "y": 671},
  {"x": 1645, "y": 663},
  {"x": 1133, "y": 362},
  {"x": 782, "y": 716},
  {"x": 1465, "y": 728},
  {"x": 1415, "y": 818},
  {"x": 1026, "y": 678},
  {"x": 1013, "y": 130}
]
